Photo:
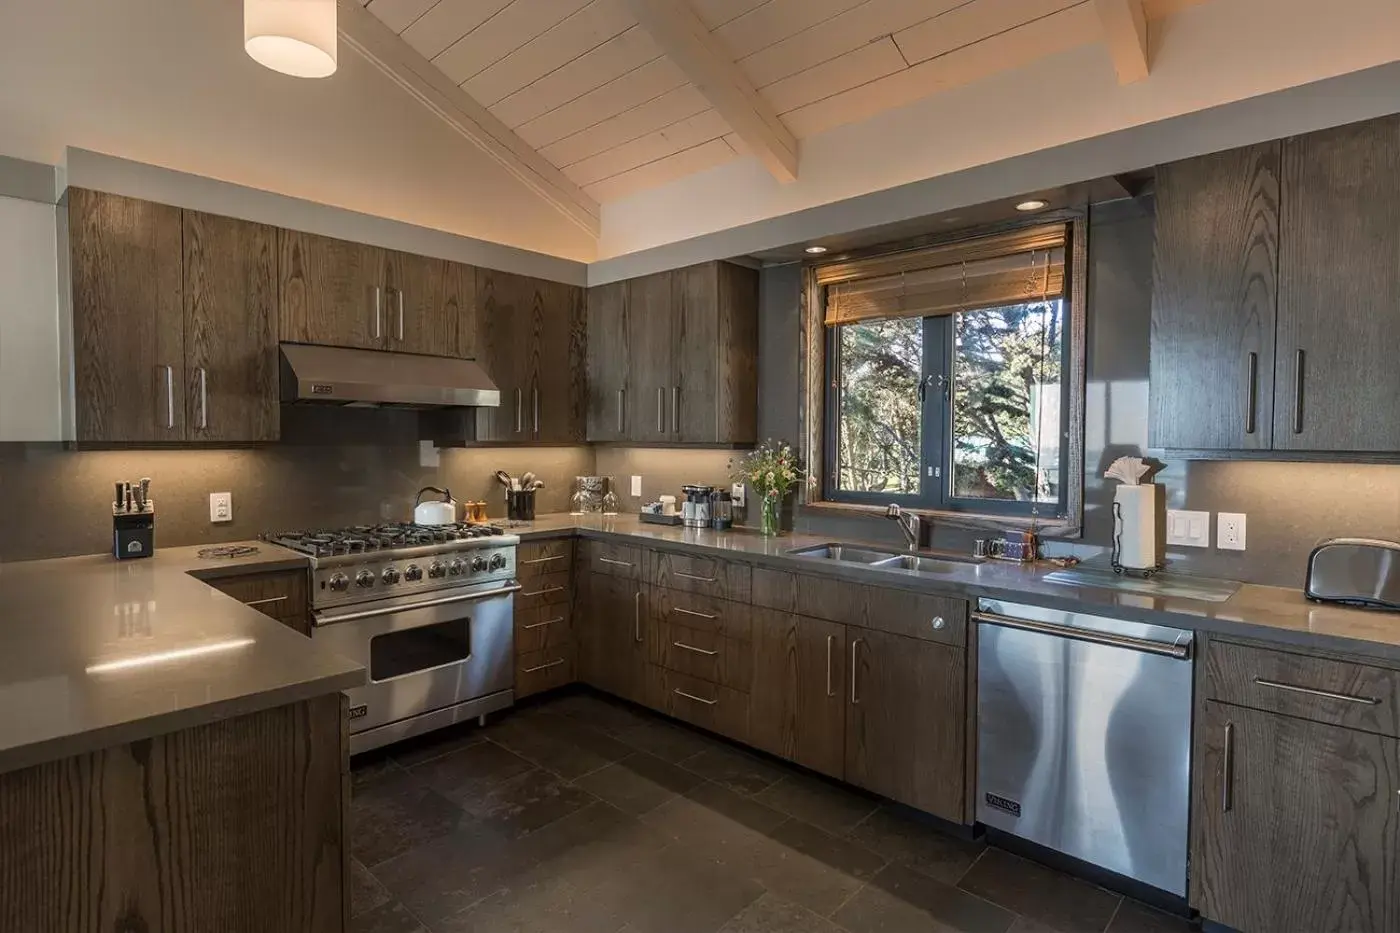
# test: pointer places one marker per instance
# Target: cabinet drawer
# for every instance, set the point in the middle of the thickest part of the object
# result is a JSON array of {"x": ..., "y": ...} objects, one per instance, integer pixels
[
  {"x": 693, "y": 573},
  {"x": 281, "y": 594},
  {"x": 702, "y": 653},
  {"x": 832, "y": 599},
  {"x": 536, "y": 559},
  {"x": 545, "y": 590},
  {"x": 774, "y": 589},
  {"x": 700, "y": 702},
  {"x": 707, "y": 613},
  {"x": 543, "y": 627},
  {"x": 1320, "y": 689},
  {"x": 917, "y": 615},
  {"x": 615, "y": 560},
  {"x": 536, "y": 671}
]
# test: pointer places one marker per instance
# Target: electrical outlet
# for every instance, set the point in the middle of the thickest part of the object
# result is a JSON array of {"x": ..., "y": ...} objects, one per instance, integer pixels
[
  {"x": 637, "y": 487},
  {"x": 1188, "y": 529},
  {"x": 1229, "y": 531},
  {"x": 737, "y": 494},
  {"x": 221, "y": 506}
]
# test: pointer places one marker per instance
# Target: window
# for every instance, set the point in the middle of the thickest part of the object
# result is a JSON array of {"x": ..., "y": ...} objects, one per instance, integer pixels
[{"x": 956, "y": 409}]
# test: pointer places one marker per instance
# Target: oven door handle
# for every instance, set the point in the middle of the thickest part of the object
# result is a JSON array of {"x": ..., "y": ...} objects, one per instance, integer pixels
[{"x": 409, "y": 607}]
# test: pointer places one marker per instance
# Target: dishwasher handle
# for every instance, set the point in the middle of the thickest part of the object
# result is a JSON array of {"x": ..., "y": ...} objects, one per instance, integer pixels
[{"x": 1147, "y": 645}]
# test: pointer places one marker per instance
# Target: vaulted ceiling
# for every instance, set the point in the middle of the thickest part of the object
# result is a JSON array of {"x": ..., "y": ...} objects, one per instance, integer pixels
[{"x": 600, "y": 99}]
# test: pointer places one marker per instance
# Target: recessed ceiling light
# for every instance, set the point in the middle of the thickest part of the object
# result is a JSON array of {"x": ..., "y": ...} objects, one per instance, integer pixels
[
  {"x": 1034, "y": 204},
  {"x": 814, "y": 250}
]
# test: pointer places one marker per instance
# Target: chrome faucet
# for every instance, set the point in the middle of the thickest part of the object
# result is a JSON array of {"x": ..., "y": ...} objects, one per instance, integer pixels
[{"x": 917, "y": 531}]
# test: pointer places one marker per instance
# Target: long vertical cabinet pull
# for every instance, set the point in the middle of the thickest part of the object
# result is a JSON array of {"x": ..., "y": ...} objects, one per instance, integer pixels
[
  {"x": 1227, "y": 780},
  {"x": 536, "y": 396},
  {"x": 398, "y": 293},
  {"x": 637, "y": 617},
  {"x": 675, "y": 408},
  {"x": 203, "y": 399},
  {"x": 1298, "y": 360},
  {"x": 660, "y": 410},
  {"x": 1252, "y": 394},
  {"x": 378, "y": 313},
  {"x": 855, "y": 650},
  {"x": 519, "y": 424},
  {"x": 170, "y": 397},
  {"x": 830, "y": 642},
  {"x": 619, "y": 411}
]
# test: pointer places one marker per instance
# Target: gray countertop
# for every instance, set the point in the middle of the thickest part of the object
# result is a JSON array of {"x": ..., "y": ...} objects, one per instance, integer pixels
[
  {"x": 200, "y": 656},
  {"x": 1269, "y": 613}
]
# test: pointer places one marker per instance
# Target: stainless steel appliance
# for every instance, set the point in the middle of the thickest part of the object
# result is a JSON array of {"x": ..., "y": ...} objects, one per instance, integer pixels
[
  {"x": 1084, "y": 737},
  {"x": 1355, "y": 572},
  {"x": 427, "y": 609},
  {"x": 346, "y": 376}
]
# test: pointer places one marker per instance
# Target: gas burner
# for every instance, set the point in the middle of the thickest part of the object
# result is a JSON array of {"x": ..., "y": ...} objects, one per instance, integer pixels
[{"x": 366, "y": 539}]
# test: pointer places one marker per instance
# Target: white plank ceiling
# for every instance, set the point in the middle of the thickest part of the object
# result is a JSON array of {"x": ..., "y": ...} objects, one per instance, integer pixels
[{"x": 584, "y": 84}]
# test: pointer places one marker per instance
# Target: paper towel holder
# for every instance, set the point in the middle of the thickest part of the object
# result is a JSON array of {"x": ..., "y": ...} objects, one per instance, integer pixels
[{"x": 1144, "y": 572}]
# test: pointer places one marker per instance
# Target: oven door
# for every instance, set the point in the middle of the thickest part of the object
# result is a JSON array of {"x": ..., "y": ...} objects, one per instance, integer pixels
[{"x": 425, "y": 654}]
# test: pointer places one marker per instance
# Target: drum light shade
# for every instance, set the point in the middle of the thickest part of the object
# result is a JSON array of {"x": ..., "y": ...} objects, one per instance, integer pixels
[{"x": 295, "y": 37}]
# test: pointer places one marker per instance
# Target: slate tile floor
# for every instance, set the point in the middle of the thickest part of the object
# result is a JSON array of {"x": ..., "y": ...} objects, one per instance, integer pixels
[{"x": 585, "y": 815}]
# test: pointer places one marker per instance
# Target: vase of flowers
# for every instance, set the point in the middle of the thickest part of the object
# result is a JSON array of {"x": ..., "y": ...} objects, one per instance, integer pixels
[{"x": 771, "y": 471}]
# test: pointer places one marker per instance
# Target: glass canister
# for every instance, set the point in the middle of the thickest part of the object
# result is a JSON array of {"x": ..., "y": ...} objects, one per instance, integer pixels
[{"x": 722, "y": 511}]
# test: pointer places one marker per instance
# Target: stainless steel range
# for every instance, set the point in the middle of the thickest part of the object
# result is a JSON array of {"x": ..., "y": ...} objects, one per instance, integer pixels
[{"x": 427, "y": 609}]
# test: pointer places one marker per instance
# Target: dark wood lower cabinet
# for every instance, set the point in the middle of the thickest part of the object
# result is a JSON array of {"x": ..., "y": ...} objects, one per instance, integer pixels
[
  {"x": 1297, "y": 825},
  {"x": 905, "y": 724},
  {"x": 798, "y": 699},
  {"x": 613, "y": 630}
]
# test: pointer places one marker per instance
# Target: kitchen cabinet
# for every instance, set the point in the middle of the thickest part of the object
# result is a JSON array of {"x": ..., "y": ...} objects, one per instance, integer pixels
[
  {"x": 545, "y": 648},
  {"x": 343, "y": 294},
  {"x": 906, "y": 721},
  {"x": 613, "y": 632},
  {"x": 279, "y": 594},
  {"x": 674, "y": 355},
  {"x": 1296, "y": 824},
  {"x": 798, "y": 700}
]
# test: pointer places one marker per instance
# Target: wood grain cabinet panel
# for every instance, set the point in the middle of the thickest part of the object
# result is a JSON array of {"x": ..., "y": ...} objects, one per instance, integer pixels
[
  {"x": 332, "y": 292},
  {"x": 696, "y": 573},
  {"x": 906, "y": 720},
  {"x": 610, "y": 625},
  {"x": 535, "y": 559},
  {"x": 282, "y": 594},
  {"x": 544, "y": 627},
  {"x": 702, "y": 653},
  {"x": 612, "y": 559},
  {"x": 1213, "y": 301},
  {"x": 128, "y": 318},
  {"x": 231, "y": 373},
  {"x": 774, "y": 589},
  {"x": 558, "y": 411},
  {"x": 545, "y": 590},
  {"x": 652, "y": 367},
  {"x": 701, "y": 703},
  {"x": 798, "y": 699},
  {"x": 427, "y": 301},
  {"x": 545, "y": 669},
  {"x": 1295, "y": 823},
  {"x": 608, "y": 364},
  {"x": 1339, "y": 291},
  {"x": 917, "y": 615},
  {"x": 707, "y": 613}
]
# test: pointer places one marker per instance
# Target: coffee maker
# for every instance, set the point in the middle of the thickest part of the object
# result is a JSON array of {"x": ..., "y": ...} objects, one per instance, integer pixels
[{"x": 695, "y": 511}]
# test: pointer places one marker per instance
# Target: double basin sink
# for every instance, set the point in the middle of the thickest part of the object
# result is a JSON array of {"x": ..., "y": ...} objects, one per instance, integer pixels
[{"x": 885, "y": 560}]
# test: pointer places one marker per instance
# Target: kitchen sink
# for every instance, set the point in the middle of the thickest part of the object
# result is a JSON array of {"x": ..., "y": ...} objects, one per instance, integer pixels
[
  {"x": 844, "y": 553},
  {"x": 891, "y": 560},
  {"x": 925, "y": 564}
]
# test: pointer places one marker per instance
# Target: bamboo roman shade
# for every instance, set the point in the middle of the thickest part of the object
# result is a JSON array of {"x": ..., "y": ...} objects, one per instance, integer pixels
[{"x": 987, "y": 272}]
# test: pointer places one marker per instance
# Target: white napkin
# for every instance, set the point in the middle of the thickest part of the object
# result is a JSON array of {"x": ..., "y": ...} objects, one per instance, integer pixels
[{"x": 1128, "y": 470}]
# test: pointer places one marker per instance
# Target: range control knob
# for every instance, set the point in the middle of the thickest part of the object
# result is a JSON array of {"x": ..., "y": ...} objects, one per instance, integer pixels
[
  {"x": 498, "y": 561},
  {"x": 365, "y": 579},
  {"x": 457, "y": 567},
  {"x": 412, "y": 573},
  {"x": 391, "y": 575},
  {"x": 478, "y": 564},
  {"x": 437, "y": 569},
  {"x": 340, "y": 582}
]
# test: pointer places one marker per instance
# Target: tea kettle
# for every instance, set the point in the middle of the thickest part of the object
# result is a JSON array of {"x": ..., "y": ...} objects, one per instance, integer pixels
[{"x": 434, "y": 512}]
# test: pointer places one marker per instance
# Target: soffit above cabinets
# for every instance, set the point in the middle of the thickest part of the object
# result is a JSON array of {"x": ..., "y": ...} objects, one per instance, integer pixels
[{"x": 613, "y": 107}]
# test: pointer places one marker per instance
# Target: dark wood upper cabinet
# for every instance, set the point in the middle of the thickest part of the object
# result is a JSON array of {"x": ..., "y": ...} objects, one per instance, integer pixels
[
  {"x": 426, "y": 300},
  {"x": 608, "y": 362},
  {"x": 1339, "y": 291},
  {"x": 1214, "y": 281},
  {"x": 128, "y": 314},
  {"x": 231, "y": 367},
  {"x": 798, "y": 698},
  {"x": 332, "y": 292},
  {"x": 651, "y": 342},
  {"x": 559, "y": 395},
  {"x": 498, "y": 351}
]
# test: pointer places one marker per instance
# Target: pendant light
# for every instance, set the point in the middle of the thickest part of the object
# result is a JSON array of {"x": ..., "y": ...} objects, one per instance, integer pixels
[{"x": 295, "y": 37}]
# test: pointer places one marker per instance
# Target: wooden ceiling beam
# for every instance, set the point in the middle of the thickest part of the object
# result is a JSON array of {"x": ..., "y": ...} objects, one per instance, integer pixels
[
  {"x": 425, "y": 82},
  {"x": 1125, "y": 32},
  {"x": 688, "y": 43}
]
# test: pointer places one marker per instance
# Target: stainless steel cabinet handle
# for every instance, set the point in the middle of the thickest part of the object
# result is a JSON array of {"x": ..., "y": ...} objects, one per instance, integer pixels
[
  {"x": 536, "y": 392},
  {"x": 1298, "y": 360},
  {"x": 330, "y": 619},
  {"x": 691, "y": 696},
  {"x": 1174, "y": 650},
  {"x": 203, "y": 399},
  {"x": 660, "y": 410},
  {"x": 692, "y": 612},
  {"x": 691, "y": 576},
  {"x": 616, "y": 563},
  {"x": 619, "y": 410},
  {"x": 543, "y": 560},
  {"x": 1227, "y": 779},
  {"x": 675, "y": 408},
  {"x": 544, "y": 623},
  {"x": 683, "y": 646},
  {"x": 1311, "y": 691},
  {"x": 637, "y": 616},
  {"x": 543, "y": 667},
  {"x": 519, "y": 425},
  {"x": 1251, "y": 393},
  {"x": 398, "y": 292},
  {"x": 170, "y": 397},
  {"x": 855, "y": 649},
  {"x": 830, "y": 641},
  {"x": 545, "y": 591},
  {"x": 268, "y": 601},
  {"x": 378, "y": 313}
]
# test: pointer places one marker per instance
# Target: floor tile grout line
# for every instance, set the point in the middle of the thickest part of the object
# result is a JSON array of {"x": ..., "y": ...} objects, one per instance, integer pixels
[
  {"x": 1114, "y": 916},
  {"x": 968, "y": 871},
  {"x": 850, "y": 897}
]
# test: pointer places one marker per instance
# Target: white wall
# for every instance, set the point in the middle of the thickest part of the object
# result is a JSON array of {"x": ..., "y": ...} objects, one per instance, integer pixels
[
  {"x": 30, "y": 394},
  {"x": 1206, "y": 56},
  {"x": 166, "y": 82}
]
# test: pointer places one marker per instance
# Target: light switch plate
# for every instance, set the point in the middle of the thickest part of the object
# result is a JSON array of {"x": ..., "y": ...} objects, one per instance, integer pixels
[
  {"x": 428, "y": 454},
  {"x": 1188, "y": 529},
  {"x": 1229, "y": 531},
  {"x": 636, "y": 487},
  {"x": 221, "y": 507}
]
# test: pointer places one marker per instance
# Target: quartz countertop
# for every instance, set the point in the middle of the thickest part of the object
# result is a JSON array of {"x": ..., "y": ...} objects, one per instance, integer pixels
[
  {"x": 96, "y": 652},
  {"x": 1269, "y": 613}
]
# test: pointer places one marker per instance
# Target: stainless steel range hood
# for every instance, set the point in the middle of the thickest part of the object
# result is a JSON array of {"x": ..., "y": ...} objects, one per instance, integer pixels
[{"x": 344, "y": 376}]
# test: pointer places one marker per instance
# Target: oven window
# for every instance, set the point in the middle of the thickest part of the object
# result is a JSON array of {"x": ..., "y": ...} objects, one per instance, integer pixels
[{"x": 409, "y": 651}]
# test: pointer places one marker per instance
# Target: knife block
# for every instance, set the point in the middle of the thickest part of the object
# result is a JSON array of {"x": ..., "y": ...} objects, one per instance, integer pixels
[{"x": 134, "y": 534}]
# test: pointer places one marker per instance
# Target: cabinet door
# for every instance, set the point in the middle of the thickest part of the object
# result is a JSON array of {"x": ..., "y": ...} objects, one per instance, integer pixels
[
  {"x": 424, "y": 298},
  {"x": 649, "y": 319},
  {"x": 716, "y": 394},
  {"x": 611, "y": 630},
  {"x": 797, "y": 705},
  {"x": 1297, "y": 825},
  {"x": 332, "y": 292},
  {"x": 501, "y": 330},
  {"x": 1339, "y": 291},
  {"x": 906, "y": 720},
  {"x": 558, "y": 393},
  {"x": 231, "y": 371},
  {"x": 128, "y": 318},
  {"x": 1215, "y": 275},
  {"x": 609, "y": 361}
]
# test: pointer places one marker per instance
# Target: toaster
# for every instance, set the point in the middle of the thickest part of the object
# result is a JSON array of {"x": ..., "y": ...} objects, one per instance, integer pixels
[{"x": 1355, "y": 572}]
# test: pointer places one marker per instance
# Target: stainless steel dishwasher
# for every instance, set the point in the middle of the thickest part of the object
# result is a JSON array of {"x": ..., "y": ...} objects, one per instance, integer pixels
[{"x": 1084, "y": 737}]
